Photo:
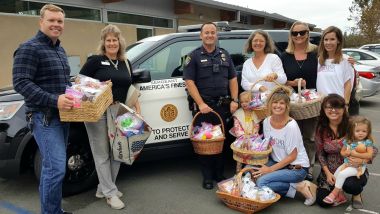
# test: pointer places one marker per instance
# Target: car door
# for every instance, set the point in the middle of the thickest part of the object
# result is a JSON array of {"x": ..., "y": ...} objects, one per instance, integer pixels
[
  {"x": 363, "y": 58},
  {"x": 163, "y": 101}
]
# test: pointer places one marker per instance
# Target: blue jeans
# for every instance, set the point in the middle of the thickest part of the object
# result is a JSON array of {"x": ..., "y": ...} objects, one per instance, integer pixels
[
  {"x": 52, "y": 139},
  {"x": 283, "y": 180}
]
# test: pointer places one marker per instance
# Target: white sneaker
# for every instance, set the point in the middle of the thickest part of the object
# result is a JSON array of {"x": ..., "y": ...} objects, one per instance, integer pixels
[
  {"x": 115, "y": 203},
  {"x": 101, "y": 195}
]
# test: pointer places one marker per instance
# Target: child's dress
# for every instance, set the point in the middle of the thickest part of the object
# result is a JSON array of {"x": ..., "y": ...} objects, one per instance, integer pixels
[{"x": 245, "y": 123}]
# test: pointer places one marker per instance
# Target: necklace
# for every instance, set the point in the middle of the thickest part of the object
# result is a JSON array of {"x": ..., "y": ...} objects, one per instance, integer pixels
[
  {"x": 114, "y": 64},
  {"x": 300, "y": 65}
]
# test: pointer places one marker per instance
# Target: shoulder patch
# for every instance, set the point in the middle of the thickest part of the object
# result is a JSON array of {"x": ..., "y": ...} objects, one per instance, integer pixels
[{"x": 187, "y": 60}]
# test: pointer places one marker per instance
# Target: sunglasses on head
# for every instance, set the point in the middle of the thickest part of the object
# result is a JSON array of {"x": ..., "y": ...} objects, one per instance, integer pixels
[{"x": 301, "y": 33}]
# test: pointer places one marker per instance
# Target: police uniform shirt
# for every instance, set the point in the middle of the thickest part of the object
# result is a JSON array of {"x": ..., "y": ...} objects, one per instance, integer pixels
[{"x": 210, "y": 72}]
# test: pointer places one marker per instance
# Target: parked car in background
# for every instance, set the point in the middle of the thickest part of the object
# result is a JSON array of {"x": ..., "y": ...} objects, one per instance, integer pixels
[
  {"x": 371, "y": 47},
  {"x": 369, "y": 79},
  {"x": 363, "y": 56}
]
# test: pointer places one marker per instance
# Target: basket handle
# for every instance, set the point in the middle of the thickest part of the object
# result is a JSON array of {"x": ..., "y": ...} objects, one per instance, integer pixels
[
  {"x": 198, "y": 113},
  {"x": 263, "y": 79},
  {"x": 240, "y": 174},
  {"x": 299, "y": 89}
]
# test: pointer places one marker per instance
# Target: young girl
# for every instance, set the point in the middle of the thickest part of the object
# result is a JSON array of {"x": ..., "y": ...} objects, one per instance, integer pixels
[
  {"x": 358, "y": 138},
  {"x": 245, "y": 120}
]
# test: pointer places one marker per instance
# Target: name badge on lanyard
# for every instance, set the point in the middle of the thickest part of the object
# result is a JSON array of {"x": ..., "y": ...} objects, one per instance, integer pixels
[{"x": 105, "y": 63}]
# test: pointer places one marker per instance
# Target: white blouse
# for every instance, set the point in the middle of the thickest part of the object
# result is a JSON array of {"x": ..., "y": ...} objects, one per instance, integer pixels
[{"x": 250, "y": 74}]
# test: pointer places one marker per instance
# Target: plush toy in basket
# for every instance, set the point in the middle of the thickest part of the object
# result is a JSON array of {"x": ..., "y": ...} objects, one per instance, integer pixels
[
  {"x": 207, "y": 139},
  {"x": 252, "y": 149},
  {"x": 241, "y": 193}
]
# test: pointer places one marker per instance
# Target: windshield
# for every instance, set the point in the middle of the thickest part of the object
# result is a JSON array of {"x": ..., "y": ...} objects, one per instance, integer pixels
[{"x": 135, "y": 49}]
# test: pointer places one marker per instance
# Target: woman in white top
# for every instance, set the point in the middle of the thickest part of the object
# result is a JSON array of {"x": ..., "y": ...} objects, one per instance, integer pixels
[
  {"x": 335, "y": 73},
  {"x": 288, "y": 164},
  {"x": 263, "y": 65}
]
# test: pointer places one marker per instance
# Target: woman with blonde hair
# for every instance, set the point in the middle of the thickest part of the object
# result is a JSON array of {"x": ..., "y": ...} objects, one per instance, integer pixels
[
  {"x": 263, "y": 65},
  {"x": 288, "y": 164},
  {"x": 109, "y": 65},
  {"x": 300, "y": 62}
]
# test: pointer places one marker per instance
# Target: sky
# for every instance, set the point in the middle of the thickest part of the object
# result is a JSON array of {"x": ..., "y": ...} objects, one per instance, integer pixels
[{"x": 322, "y": 13}]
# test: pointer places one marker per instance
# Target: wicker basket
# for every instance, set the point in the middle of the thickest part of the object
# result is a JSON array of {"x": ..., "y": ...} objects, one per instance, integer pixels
[
  {"x": 304, "y": 110},
  {"x": 207, "y": 146},
  {"x": 89, "y": 111},
  {"x": 262, "y": 111},
  {"x": 250, "y": 157},
  {"x": 242, "y": 204}
]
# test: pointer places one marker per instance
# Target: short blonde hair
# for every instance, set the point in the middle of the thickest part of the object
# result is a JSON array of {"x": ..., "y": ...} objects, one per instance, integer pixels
[
  {"x": 50, "y": 7},
  {"x": 115, "y": 31},
  {"x": 279, "y": 93},
  {"x": 269, "y": 44},
  {"x": 247, "y": 94},
  {"x": 309, "y": 47}
]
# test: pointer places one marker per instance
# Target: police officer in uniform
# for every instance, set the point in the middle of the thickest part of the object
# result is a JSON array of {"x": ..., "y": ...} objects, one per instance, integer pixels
[{"x": 211, "y": 82}]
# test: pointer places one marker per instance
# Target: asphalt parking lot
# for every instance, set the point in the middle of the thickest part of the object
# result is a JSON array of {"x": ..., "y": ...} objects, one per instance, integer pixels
[{"x": 173, "y": 186}]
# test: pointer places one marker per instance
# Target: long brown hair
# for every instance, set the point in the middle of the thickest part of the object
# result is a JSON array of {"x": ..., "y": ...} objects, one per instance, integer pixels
[
  {"x": 353, "y": 122},
  {"x": 322, "y": 53},
  {"x": 323, "y": 127}
]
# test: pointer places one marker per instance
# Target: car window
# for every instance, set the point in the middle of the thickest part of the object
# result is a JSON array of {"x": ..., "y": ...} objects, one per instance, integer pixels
[
  {"x": 353, "y": 54},
  {"x": 364, "y": 56},
  {"x": 168, "y": 62},
  {"x": 376, "y": 50},
  {"x": 235, "y": 49},
  {"x": 134, "y": 50}
]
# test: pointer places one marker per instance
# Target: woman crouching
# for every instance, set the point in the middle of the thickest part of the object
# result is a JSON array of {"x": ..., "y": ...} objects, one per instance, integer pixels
[{"x": 288, "y": 164}]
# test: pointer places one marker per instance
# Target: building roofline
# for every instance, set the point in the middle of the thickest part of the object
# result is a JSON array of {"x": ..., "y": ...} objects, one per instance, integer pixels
[{"x": 222, "y": 5}]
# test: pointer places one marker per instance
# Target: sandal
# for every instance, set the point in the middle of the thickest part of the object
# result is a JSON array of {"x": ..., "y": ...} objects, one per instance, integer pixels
[
  {"x": 340, "y": 199},
  {"x": 330, "y": 199},
  {"x": 357, "y": 204}
]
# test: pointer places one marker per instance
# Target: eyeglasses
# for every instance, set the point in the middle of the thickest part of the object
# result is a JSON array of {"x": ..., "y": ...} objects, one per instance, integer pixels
[
  {"x": 301, "y": 33},
  {"x": 330, "y": 108}
]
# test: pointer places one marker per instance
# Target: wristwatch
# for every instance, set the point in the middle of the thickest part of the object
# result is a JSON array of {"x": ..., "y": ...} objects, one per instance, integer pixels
[{"x": 235, "y": 100}]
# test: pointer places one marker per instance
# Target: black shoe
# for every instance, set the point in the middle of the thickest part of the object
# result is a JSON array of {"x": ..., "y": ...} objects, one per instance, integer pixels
[
  {"x": 309, "y": 177},
  {"x": 65, "y": 212},
  {"x": 207, "y": 184}
]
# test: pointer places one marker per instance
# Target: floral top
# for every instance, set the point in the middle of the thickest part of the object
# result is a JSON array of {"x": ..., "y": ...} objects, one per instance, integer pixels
[{"x": 328, "y": 153}]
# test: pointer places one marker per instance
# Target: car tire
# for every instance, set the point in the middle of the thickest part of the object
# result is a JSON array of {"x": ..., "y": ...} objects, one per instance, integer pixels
[{"x": 80, "y": 168}]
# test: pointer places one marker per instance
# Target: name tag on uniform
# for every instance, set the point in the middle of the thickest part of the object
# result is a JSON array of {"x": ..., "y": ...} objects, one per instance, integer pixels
[
  {"x": 105, "y": 63},
  {"x": 203, "y": 60}
]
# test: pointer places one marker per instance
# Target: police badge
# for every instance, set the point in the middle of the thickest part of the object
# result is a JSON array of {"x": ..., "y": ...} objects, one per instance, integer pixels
[{"x": 223, "y": 56}]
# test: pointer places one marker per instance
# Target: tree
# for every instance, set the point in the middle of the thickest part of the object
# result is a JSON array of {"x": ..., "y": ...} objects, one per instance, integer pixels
[{"x": 366, "y": 14}]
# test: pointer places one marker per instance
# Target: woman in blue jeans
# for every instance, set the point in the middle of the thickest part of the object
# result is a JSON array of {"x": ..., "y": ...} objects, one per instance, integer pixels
[{"x": 288, "y": 164}]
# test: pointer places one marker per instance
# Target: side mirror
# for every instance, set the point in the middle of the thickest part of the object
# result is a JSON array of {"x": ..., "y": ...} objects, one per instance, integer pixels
[{"x": 141, "y": 75}]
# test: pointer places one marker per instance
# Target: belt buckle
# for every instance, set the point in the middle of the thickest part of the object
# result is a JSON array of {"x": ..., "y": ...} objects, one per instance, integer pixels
[{"x": 295, "y": 167}]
